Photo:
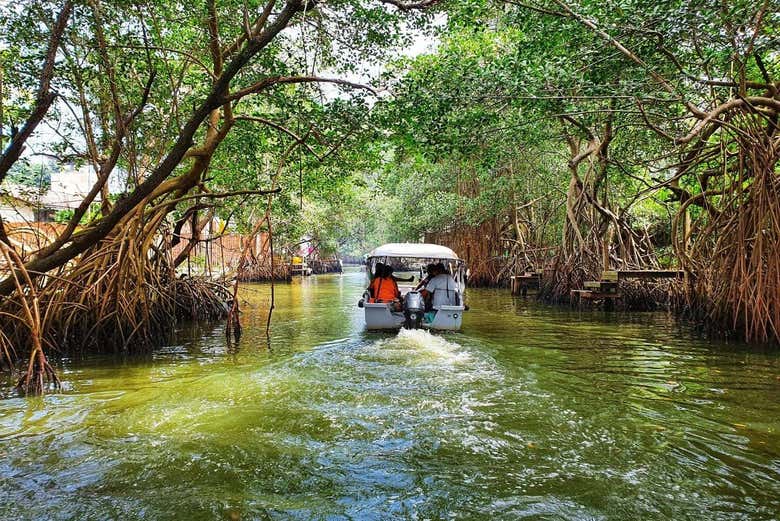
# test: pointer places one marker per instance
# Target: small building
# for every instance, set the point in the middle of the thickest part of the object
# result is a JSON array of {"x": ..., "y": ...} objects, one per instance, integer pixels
[
  {"x": 69, "y": 187},
  {"x": 17, "y": 205}
]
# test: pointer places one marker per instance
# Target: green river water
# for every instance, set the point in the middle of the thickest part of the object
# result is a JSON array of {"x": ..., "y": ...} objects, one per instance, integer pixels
[{"x": 530, "y": 412}]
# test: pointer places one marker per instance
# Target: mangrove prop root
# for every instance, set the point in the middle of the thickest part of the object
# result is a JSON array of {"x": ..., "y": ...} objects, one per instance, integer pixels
[
  {"x": 38, "y": 375},
  {"x": 233, "y": 323},
  {"x": 117, "y": 297},
  {"x": 735, "y": 249},
  {"x": 27, "y": 318}
]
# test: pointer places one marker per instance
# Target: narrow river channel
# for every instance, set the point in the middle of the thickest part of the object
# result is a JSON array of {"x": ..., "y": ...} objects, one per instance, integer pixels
[{"x": 530, "y": 412}]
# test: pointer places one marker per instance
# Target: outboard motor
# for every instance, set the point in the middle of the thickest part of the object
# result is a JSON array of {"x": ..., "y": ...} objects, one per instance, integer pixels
[{"x": 414, "y": 309}]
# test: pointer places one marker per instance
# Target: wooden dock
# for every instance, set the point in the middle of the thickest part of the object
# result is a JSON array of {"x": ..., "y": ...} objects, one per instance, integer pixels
[
  {"x": 520, "y": 284},
  {"x": 300, "y": 268},
  {"x": 606, "y": 289},
  {"x": 643, "y": 274},
  {"x": 579, "y": 296}
]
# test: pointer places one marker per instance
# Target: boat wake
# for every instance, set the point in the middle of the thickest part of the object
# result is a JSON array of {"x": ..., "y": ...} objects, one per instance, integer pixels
[{"x": 420, "y": 346}]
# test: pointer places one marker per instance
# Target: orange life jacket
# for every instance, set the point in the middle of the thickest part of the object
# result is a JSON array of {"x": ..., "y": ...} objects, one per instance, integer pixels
[{"x": 384, "y": 289}]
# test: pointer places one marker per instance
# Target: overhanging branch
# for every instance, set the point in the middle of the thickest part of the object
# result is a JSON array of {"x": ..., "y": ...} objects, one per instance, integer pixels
[{"x": 277, "y": 80}]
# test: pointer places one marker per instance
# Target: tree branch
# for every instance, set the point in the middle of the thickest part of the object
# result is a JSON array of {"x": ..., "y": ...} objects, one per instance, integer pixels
[
  {"x": 410, "y": 6},
  {"x": 631, "y": 56},
  {"x": 276, "y": 80},
  {"x": 277, "y": 126},
  {"x": 81, "y": 241},
  {"x": 44, "y": 99}
]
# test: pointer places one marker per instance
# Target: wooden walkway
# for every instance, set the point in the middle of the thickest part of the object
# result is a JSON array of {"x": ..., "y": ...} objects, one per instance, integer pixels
[
  {"x": 520, "y": 284},
  {"x": 642, "y": 274},
  {"x": 606, "y": 289}
]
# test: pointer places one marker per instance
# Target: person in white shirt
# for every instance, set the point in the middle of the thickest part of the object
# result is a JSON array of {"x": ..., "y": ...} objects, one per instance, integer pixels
[{"x": 442, "y": 290}]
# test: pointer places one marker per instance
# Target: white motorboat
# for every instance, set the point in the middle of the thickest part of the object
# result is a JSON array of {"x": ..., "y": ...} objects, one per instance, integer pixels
[{"x": 413, "y": 258}]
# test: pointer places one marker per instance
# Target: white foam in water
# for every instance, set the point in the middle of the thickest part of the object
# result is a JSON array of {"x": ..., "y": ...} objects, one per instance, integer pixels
[{"x": 421, "y": 344}]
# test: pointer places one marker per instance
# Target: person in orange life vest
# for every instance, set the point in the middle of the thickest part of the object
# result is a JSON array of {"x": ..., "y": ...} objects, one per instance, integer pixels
[
  {"x": 379, "y": 269},
  {"x": 384, "y": 288}
]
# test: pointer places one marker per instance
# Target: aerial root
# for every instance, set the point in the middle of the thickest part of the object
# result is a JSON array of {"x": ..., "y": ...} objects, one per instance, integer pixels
[
  {"x": 233, "y": 323},
  {"x": 39, "y": 375},
  {"x": 735, "y": 250}
]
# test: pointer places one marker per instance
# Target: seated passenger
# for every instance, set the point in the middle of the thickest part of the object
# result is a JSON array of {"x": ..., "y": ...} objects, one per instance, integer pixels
[
  {"x": 429, "y": 273},
  {"x": 379, "y": 269},
  {"x": 383, "y": 287},
  {"x": 442, "y": 290}
]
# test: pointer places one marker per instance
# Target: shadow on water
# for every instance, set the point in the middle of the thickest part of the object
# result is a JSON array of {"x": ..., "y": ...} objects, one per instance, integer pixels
[{"x": 529, "y": 412}]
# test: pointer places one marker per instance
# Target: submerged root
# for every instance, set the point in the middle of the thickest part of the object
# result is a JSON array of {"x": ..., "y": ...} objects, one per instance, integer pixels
[
  {"x": 646, "y": 295},
  {"x": 26, "y": 317},
  {"x": 38, "y": 376},
  {"x": 115, "y": 298},
  {"x": 7, "y": 353},
  {"x": 199, "y": 298},
  {"x": 233, "y": 323}
]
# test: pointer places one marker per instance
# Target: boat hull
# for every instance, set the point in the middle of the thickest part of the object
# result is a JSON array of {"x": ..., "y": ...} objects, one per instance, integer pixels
[{"x": 380, "y": 316}]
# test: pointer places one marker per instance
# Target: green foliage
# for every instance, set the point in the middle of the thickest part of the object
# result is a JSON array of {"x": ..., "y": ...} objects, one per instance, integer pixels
[
  {"x": 63, "y": 216},
  {"x": 473, "y": 130},
  {"x": 30, "y": 175},
  {"x": 482, "y": 124}
]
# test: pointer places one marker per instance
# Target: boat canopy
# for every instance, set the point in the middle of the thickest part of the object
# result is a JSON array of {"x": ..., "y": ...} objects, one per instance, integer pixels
[{"x": 414, "y": 250}]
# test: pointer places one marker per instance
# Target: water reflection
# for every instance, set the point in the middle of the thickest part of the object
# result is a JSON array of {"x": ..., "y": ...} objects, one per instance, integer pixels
[{"x": 529, "y": 412}]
